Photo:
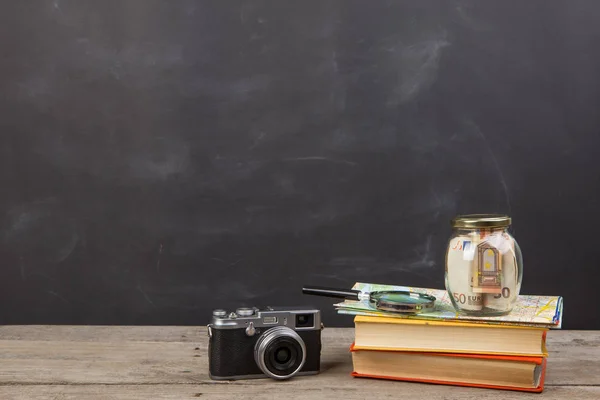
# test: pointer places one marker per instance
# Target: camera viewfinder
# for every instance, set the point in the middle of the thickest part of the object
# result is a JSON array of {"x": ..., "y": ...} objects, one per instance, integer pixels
[{"x": 305, "y": 321}]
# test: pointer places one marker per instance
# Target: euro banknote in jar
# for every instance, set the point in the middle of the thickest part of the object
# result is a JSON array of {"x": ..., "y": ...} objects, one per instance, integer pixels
[
  {"x": 503, "y": 299},
  {"x": 459, "y": 274},
  {"x": 483, "y": 265}
]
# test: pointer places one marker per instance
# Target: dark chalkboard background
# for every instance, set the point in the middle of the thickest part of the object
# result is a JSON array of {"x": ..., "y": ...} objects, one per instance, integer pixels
[{"x": 163, "y": 158}]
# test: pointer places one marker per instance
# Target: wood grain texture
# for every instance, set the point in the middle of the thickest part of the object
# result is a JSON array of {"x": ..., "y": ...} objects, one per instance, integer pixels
[
  {"x": 288, "y": 391},
  {"x": 66, "y": 362}
]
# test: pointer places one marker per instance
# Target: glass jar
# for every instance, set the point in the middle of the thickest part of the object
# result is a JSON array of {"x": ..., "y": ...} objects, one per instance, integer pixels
[{"x": 484, "y": 265}]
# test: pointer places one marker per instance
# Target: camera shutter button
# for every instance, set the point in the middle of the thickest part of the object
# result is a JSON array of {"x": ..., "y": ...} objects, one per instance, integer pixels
[{"x": 244, "y": 312}]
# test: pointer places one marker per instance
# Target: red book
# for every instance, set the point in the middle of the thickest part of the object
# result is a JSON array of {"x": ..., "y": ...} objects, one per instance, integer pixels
[{"x": 520, "y": 373}]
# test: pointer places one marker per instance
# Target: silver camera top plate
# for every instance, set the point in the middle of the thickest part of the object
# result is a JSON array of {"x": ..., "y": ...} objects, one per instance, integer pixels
[{"x": 297, "y": 318}]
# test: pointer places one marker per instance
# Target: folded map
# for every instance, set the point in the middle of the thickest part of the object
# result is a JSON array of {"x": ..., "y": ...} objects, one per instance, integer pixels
[{"x": 541, "y": 311}]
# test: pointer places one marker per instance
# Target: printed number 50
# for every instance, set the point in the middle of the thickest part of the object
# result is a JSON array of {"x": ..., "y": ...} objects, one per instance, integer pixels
[
  {"x": 505, "y": 293},
  {"x": 460, "y": 298}
]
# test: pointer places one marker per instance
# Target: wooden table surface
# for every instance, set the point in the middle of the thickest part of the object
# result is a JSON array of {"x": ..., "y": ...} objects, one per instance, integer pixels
[{"x": 99, "y": 362}]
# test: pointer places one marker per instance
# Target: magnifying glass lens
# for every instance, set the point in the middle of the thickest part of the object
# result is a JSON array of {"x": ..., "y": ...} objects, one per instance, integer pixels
[{"x": 398, "y": 298}]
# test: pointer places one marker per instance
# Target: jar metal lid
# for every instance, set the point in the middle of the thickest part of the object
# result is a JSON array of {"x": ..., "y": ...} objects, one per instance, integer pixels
[{"x": 481, "y": 221}]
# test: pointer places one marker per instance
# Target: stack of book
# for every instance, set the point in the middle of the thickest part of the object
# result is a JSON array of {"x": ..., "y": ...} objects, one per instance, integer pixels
[{"x": 441, "y": 347}]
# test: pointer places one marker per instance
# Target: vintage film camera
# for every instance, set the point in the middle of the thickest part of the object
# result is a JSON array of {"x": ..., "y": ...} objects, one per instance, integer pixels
[{"x": 275, "y": 342}]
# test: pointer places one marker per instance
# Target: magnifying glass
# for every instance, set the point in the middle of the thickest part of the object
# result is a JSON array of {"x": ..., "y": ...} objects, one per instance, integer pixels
[{"x": 394, "y": 301}]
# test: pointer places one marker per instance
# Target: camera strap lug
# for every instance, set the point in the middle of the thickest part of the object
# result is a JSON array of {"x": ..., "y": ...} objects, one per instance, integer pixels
[
  {"x": 209, "y": 330},
  {"x": 250, "y": 330}
]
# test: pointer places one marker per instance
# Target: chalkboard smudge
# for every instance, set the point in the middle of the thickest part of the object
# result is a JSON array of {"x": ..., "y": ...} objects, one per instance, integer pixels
[
  {"x": 40, "y": 229},
  {"x": 443, "y": 202},
  {"x": 316, "y": 158},
  {"x": 260, "y": 137},
  {"x": 64, "y": 252},
  {"x": 22, "y": 268},
  {"x": 425, "y": 259},
  {"x": 164, "y": 159},
  {"x": 160, "y": 250},
  {"x": 334, "y": 62},
  {"x": 230, "y": 264},
  {"x": 418, "y": 66},
  {"x": 32, "y": 88},
  {"x": 240, "y": 292},
  {"x": 236, "y": 262},
  {"x": 139, "y": 288},
  {"x": 488, "y": 148},
  {"x": 326, "y": 276},
  {"x": 465, "y": 19},
  {"x": 57, "y": 296},
  {"x": 362, "y": 263},
  {"x": 22, "y": 220},
  {"x": 232, "y": 92}
]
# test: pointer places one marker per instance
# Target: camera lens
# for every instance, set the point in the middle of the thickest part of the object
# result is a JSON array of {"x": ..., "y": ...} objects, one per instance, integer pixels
[
  {"x": 280, "y": 352},
  {"x": 282, "y": 355}
]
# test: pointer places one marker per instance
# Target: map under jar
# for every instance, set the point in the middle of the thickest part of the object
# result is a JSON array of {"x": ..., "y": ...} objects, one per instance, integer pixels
[{"x": 484, "y": 265}]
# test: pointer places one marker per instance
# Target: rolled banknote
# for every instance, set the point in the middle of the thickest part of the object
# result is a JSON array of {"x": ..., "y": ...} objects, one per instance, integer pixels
[
  {"x": 506, "y": 298},
  {"x": 459, "y": 273}
]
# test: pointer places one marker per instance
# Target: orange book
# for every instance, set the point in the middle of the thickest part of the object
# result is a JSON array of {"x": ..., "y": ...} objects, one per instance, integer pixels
[
  {"x": 519, "y": 373},
  {"x": 401, "y": 334}
]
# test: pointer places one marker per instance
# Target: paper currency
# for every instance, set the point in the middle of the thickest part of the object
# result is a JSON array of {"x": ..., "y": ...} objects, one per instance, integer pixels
[
  {"x": 482, "y": 272},
  {"x": 487, "y": 269},
  {"x": 459, "y": 274},
  {"x": 505, "y": 299}
]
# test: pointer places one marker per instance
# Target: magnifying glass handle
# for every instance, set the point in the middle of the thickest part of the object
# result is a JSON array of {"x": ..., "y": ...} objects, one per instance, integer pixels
[{"x": 331, "y": 292}]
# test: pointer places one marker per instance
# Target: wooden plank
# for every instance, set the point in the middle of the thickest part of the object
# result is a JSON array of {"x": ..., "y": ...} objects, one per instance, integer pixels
[
  {"x": 123, "y": 360},
  {"x": 146, "y": 362},
  {"x": 287, "y": 391},
  {"x": 573, "y": 358},
  {"x": 101, "y": 333}
]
